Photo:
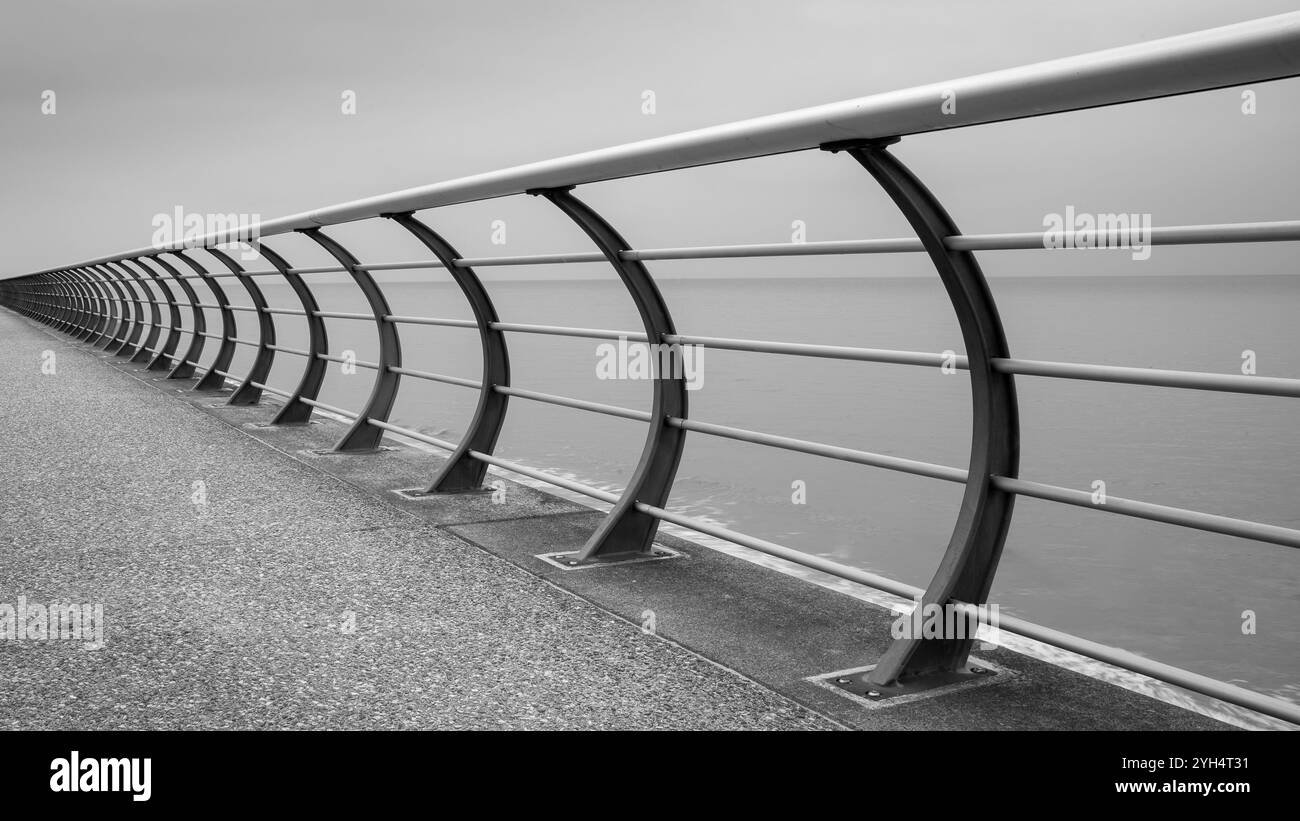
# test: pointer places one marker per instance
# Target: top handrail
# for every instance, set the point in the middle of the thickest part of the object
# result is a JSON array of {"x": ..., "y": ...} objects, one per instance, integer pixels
[{"x": 1258, "y": 50}]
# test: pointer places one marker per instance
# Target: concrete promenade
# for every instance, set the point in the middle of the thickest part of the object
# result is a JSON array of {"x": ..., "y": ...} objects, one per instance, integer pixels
[{"x": 294, "y": 589}]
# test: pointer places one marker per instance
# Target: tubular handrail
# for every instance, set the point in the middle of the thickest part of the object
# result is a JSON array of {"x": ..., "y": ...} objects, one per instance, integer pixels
[
  {"x": 1116, "y": 239},
  {"x": 103, "y": 301}
]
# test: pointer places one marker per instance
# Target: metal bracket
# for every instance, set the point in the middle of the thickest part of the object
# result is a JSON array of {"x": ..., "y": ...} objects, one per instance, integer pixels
[
  {"x": 857, "y": 683},
  {"x": 572, "y": 559}
]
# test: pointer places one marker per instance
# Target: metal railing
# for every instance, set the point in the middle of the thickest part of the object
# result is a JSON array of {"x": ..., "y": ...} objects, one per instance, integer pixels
[{"x": 115, "y": 302}]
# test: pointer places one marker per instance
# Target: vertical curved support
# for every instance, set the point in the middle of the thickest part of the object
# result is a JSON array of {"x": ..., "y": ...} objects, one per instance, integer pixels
[
  {"x": 42, "y": 303},
  {"x": 126, "y": 285},
  {"x": 135, "y": 349},
  {"x": 163, "y": 359},
  {"x": 100, "y": 311},
  {"x": 30, "y": 299},
  {"x": 61, "y": 292},
  {"x": 80, "y": 318},
  {"x": 124, "y": 306},
  {"x": 105, "y": 321},
  {"x": 182, "y": 368},
  {"x": 148, "y": 280},
  {"x": 89, "y": 311},
  {"x": 627, "y": 529},
  {"x": 117, "y": 298},
  {"x": 295, "y": 410},
  {"x": 462, "y": 472},
  {"x": 46, "y": 303},
  {"x": 966, "y": 572},
  {"x": 60, "y": 304},
  {"x": 121, "y": 316},
  {"x": 363, "y": 436},
  {"x": 248, "y": 393},
  {"x": 212, "y": 380},
  {"x": 94, "y": 318}
]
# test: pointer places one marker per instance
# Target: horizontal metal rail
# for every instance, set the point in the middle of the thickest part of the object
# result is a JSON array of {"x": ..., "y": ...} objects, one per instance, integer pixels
[
  {"x": 1116, "y": 239},
  {"x": 294, "y": 351},
  {"x": 424, "y": 320},
  {"x": 360, "y": 363},
  {"x": 437, "y": 377},
  {"x": 861, "y": 457},
  {"x": 1152, "y": 512},
  {"x": 579, "y": 404}
]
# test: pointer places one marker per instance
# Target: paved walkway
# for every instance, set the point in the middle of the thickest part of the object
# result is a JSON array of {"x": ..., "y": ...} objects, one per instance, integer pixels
[
  {"x": 303, "y": 592},
  {"x": 239, "y": 613}
]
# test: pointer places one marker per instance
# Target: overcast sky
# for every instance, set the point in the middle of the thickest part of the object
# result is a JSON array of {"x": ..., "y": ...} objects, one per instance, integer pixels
[{"x": 235, "y": 106}]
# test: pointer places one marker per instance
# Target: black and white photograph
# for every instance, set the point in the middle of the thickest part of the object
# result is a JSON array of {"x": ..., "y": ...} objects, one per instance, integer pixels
[{"x": 897, "y": 376}]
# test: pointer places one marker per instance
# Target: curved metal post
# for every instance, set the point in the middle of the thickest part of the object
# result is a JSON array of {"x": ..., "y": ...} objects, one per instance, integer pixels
[
  {"x": 90, "y": 313},
  {"x": 248, "y": 393},
  {"x": 134, "y": 349},
  {"x": 116, "y": 311},
  {"x": 78, "y": 317},
  {"x": 626, "y": 529},
  {"x": 162, "y": 360},
  {"x": 12, "y": 294},
  {"x": 124, "y": 308},
  {"x": 363, "y": 436},
  {"x": 295, "y": 410},
  {"x": 966, "y": 572},
  {"x": 212, "y": 380},
  {"x": 67, "y": 318},
  {"x": 462, "y": 472},
  {"x": 143, "y": 276},
  {"x": 27, "y": 301},
  {"x": 126, "y": 286},
  {"x": 31, "y": 302},
  {"x": 47, "y": 305},
  {"x": 79, "y": 314},
  {"x": 85, "y": 304},
  {"x": 102, "y": 306},
  {"x": 149, "y": 280},
  {"x": 118, "y": 317},
  {"x": 183, "y": 369},
  {"x": 94, "y": 318},
  {"x": 61, "y": 306}
]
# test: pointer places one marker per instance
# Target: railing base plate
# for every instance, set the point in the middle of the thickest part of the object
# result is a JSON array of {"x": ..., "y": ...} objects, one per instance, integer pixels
[
  {"x": 418, "y": 494},
  {"x": 567, "y": 560},
  {"x": 853, "y": 683}
]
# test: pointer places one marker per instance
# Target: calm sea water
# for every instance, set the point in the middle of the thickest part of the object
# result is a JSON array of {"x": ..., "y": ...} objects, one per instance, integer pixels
[{"x": 1173, "y": 594}]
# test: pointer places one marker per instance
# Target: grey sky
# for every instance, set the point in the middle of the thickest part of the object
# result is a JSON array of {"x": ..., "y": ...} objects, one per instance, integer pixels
[{"x": 235, "y": 107}]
